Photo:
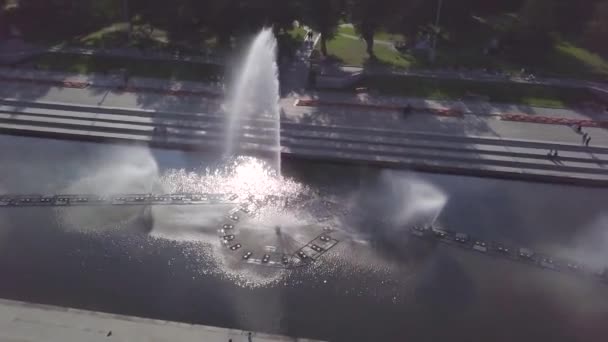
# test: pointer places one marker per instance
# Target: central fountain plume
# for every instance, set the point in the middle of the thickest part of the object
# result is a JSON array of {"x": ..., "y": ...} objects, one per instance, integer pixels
[
  {"x": 255, "y": 223},
  {"x": 253, "y": 114}
]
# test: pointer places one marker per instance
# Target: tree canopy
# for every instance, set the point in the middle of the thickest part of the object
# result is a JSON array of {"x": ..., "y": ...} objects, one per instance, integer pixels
[
  {"x": 226, "y": 19},
  {"x": 596, "y": 34}
]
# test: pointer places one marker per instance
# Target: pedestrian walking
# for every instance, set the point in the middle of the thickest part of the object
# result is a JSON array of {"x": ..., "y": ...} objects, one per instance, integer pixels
[
  {"x": 249, "y": 336},
  {"x": 407, "y": 110},
  {"x": 587, "y": 141},
  {"x": 585, "y": 136}
]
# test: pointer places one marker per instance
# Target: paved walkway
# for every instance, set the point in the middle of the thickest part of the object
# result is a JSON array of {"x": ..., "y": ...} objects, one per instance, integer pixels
[
  {"x": 27, "y": 322},
  {"x": 15, "y": 50},
  {"x": 111, "y": 81},
  {"x": 474, "y": 143},
  {"x": 145, "y": 54},
  {"x": 513, "y": 112},
  {"x": 479, "y": 75},
  {"x": 294, "y": 88}
]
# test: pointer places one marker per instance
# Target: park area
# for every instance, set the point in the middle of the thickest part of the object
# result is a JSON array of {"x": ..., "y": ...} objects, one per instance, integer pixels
[
  {"x": 507, "y": 39},
  {"x": 560, "y": 58}
]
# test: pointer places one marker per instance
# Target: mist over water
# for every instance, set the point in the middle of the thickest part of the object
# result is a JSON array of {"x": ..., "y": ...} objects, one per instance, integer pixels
[
  {"x": 395, "y": 202},
  {"x": 401, "y": 200},
  {"x": 126, "y": 170},
  {"x": 591, "y": 247}
]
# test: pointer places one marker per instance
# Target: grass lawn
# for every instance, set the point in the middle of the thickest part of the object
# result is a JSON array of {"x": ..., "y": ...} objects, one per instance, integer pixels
[
  {"x": 533, "y": 95},
  {"x": 116, "y": 35},
  {"x": 143, "y": 68},
  {"x": 347, "y": 51},
  {"x": 564, "y": 58},
  {"x": 352, "y": 52},
  {"x": 569, "y": 59},
  {"x": 379, "y": 35}
]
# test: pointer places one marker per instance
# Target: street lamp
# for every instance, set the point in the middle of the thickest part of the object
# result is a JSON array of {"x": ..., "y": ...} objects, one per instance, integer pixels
[{"x": 434, "y": 48}]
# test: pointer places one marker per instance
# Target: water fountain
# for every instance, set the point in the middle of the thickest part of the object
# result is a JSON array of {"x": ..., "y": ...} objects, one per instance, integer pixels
[
  {"x": 253, "y": 122},
  {"x": 290, "y": 223},
  {"x": 398, "y": 201}
]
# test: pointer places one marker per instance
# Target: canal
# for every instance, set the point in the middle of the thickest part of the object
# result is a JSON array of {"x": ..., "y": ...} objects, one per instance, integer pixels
[{"x": 376, "y": 284}]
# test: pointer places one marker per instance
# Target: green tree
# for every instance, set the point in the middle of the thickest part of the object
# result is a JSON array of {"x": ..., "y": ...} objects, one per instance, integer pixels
[
  {"x": 4, "y": 22},
  {"x": 596, "y": 33},
  {"x": 324, "y": 17},
  {"x": 223, "y": 18},
  {"x": 177, "y": 17},
  {"x": 369, "y": 16},
  {"x": 65, "y": 17},
  {"x": 538, "y": 16},
  {"x": 572, "y": 16},
  {"x": 126, "y": 14},
  {"x": 412, "y": 15},
  {"x": 538, "y": 20},
  {"x": 494, "y": 7}
]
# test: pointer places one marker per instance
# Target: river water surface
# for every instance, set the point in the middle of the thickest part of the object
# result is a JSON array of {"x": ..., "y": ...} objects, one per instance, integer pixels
[{"x": 376, "y": 284}]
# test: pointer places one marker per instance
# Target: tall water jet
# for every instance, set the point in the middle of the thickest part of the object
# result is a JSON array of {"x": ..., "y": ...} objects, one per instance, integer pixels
[{"x": 253, "y": 108}]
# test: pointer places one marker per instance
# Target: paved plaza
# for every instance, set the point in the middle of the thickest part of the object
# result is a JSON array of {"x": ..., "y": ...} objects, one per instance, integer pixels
[
  {"x": 23, "y": 322},
  {"x": 346, "y": 128}
]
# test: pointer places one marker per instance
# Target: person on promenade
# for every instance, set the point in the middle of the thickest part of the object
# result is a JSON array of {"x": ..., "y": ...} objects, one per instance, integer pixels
[{"x": 553, "y": 154}]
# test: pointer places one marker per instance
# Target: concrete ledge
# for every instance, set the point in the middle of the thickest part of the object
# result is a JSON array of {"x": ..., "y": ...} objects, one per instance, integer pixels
[
  {"x": 488, "y": 140},
  {"x": 454, "y": 170},
  {"x": 314, "y": 103},
  {"x": 21, "y": 321},
  {"x": 481, "y": 156},
  {"x": 110, "y": 81},
  {"x": 426, "y": 165},
  {"x": 541, "y": 119},
  {"x": 60, "y": 83}
]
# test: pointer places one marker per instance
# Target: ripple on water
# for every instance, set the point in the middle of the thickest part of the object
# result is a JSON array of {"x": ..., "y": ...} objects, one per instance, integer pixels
[{"x": 195, "y": 228}]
